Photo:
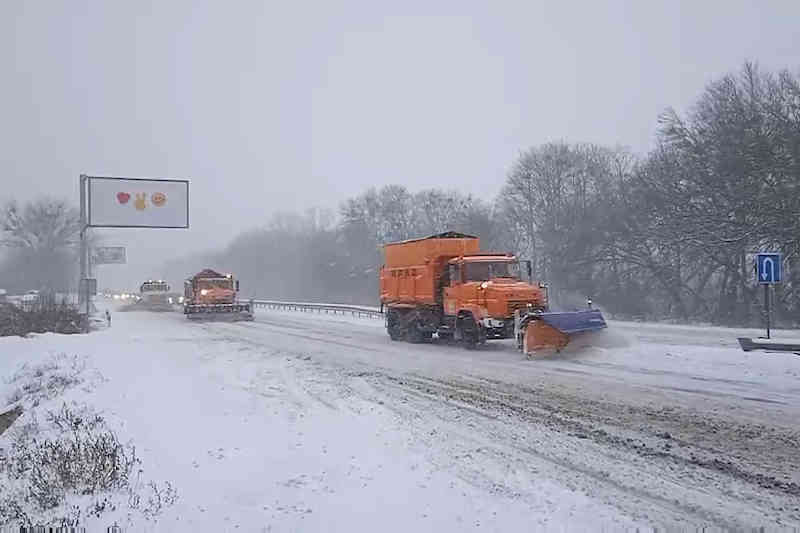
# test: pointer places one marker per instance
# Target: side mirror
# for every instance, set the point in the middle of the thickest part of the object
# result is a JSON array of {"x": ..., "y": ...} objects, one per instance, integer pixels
[
  {"x": 530, "y": 270},
  {"x": 237, "y": 285}
]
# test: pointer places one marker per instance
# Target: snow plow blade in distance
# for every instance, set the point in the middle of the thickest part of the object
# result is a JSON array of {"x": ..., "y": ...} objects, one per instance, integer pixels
[
  {"x": 219, "y": 312},
  {"x": 768, "y": 345},
  {"x": 152, "y": 307},
  {"x": 554, "y": 330}
]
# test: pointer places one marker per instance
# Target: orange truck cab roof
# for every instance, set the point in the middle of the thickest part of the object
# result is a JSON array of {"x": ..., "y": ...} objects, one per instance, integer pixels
[
  {"x": 483, "y": 258},
  {"x": 208, "y": 273}
]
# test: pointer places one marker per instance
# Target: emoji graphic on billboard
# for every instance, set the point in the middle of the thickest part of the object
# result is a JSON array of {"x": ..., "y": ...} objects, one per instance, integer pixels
[
  {"x": 158, "y": 199},
  {"x": 123, "y": 197},
  {"x": 141, "y": 201}
]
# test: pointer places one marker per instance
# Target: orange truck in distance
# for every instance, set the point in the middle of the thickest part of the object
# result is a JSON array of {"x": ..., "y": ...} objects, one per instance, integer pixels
[
  {"x": 209, "y": 295},
  {"x": 444, "y": 285}
]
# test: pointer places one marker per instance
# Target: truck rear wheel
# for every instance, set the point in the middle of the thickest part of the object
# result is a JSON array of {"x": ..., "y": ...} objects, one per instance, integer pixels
[
  {"x": 416, "y": 334},
  {"x": 393, "y": 326}
]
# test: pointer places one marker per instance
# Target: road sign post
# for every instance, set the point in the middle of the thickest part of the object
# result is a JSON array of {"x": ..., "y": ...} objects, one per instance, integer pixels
[
  {"x": 768, "y": 272},
  {"x": 766, "y": 306}
]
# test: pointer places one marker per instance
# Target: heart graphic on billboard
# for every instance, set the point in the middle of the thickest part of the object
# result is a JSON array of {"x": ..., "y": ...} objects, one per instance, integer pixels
[
  {"x": 123, "y": 197},
  {"x": 158, "y": 199}
]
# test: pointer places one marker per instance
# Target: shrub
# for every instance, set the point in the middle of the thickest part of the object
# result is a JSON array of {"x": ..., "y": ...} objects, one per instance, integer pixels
[
  {"x": 40, "y": 318},
  {"x": 72, "y": 466}
]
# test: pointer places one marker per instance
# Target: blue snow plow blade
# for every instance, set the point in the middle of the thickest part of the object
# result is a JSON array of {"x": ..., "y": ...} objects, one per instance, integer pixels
[{"x": 575, "y": 321}]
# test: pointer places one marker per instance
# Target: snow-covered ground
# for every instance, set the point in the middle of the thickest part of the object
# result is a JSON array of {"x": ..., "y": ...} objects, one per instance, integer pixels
[{"x": 308, "y": 422}]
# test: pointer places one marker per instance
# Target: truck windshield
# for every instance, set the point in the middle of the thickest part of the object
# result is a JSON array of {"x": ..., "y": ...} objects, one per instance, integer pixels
[
  {"x": 486, "y": 270},
  {"x": 154, "y": 287},
  {"x": 221, "y": 283}
]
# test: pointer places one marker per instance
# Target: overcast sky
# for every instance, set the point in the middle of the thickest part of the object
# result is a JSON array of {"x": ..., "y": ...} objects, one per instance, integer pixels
[{"x": 270, "y": 106}]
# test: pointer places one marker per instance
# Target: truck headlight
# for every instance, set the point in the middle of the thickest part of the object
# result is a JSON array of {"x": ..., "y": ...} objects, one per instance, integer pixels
[
  {"x": 484, "y": 285},
  {"x": 203, "y": 292}
]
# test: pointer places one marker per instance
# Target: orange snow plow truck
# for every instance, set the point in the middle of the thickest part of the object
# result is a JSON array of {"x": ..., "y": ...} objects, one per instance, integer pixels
[
  {"x": 209, "y": 295},
  {"x": 443, "y": 284}
]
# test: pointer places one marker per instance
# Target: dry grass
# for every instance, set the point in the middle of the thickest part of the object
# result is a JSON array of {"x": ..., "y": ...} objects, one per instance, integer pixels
[
  {"x": 56, "y": 318},
  {"x": 72, "y": 466}
]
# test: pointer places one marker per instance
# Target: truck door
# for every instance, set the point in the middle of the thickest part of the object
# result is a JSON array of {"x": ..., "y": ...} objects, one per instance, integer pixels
[{"x": 451, "y": 292}]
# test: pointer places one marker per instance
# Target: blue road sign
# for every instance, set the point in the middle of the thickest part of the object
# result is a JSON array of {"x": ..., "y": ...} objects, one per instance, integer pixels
[{"x": 768, "y": 267}]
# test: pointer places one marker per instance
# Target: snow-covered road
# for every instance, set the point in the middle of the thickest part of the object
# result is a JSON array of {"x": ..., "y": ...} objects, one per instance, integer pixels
[
  {"x": 668, "y": 424},
  {"x": 308, "y": 422}
]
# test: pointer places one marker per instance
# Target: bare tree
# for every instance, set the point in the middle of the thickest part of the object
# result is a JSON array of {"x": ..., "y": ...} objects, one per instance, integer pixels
[
  {"x": 556, "y": 200},
  {"x": 668, "y": 234},
  {"x": 734, "y": 177},
  {"x": 42, "y": 237},
  {"x": 46, "y": 224}
]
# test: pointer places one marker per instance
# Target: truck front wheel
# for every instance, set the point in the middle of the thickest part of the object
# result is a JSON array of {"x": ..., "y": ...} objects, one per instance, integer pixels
[{"x": 469, "y": 332}]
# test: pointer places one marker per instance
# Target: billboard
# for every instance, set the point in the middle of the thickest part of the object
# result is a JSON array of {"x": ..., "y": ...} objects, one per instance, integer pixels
[
  {"x": 109, "y": 255},
  {"x": 138, "y": 203}
]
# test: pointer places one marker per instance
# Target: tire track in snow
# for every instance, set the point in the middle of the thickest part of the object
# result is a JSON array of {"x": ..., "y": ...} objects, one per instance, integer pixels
[
  {"x": 711, "y": 469},
  {"x": 641, "y": 480}
]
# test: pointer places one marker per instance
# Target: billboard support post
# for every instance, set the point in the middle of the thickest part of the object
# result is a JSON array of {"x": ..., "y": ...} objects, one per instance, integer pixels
[{"x": 83, "y": 296}]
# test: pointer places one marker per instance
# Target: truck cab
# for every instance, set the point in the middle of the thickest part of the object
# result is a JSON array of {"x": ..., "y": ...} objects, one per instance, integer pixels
[
  {"x": 488, "y": 288},
  {"x": 153, "y": 286},
  {"x": 214, "y": 296},
  {"x": 210, "y": 287}
]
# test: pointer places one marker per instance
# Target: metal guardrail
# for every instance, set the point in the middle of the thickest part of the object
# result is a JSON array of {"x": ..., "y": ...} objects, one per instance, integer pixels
[{"x": 355, "y": 310}]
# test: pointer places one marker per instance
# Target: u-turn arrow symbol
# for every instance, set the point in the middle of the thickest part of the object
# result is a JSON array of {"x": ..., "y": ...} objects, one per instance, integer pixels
[{"x": 768, "y": 274}]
